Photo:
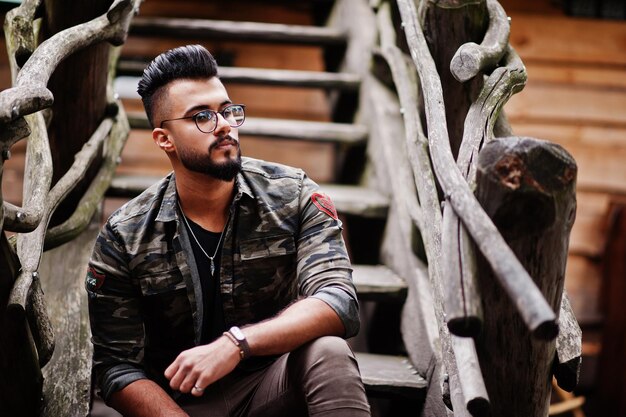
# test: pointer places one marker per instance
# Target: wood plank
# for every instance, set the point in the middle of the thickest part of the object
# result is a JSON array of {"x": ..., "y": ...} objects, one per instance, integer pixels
[
  {"x": 599, "y": 151},
  {"x": 378, "y": 283},
  {"x": 348, "y": 134},
  {"x": 525, "y": 6},
  {"x": 353, "y": 200},
  {"x": 270, "y": 11},
  {"x": 307, "y": 79},
  {"x": 237, "y": 30},
  {"x": 566, "y": 39},
  {"x": 588, "y": 237},
  {"x": 583, "y": 279},
  {"x": 576, "y": 75},
  {"x": 567, "y": 105},
  {"x": 359, "y": 201},
  {"x": 250, "y": 54},
  {"x": 314, "y": 131},
  {"x": 384, "y": 374}
]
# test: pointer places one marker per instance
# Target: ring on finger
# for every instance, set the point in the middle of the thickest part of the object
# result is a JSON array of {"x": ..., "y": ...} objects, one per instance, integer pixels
[{"x": 197, "y": 388}]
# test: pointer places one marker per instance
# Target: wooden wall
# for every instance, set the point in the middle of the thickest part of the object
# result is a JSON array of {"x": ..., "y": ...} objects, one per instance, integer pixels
[{"x": 576, "y": 97}]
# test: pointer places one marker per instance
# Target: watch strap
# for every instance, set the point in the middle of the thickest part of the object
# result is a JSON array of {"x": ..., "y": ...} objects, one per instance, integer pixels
[{"x": 235, "y": 335}]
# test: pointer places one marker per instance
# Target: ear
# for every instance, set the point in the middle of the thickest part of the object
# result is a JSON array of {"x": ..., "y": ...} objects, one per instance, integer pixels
[{"x": 162, "y": 139}]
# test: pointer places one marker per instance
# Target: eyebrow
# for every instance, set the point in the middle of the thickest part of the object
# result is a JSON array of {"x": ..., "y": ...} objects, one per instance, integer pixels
[{"x": 201, "y": 107}]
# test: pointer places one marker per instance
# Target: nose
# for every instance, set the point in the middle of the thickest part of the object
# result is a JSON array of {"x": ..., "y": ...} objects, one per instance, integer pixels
[{"x": 222, "y": 127}]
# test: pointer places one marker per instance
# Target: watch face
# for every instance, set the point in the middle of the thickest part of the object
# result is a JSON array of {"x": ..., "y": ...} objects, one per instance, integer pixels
[{"x": 236, "y": 331}]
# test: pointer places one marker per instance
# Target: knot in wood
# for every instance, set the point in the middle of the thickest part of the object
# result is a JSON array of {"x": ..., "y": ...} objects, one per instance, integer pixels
[
  {"x": 569, "y": 173},
  {"x": 511, "y": 170}
]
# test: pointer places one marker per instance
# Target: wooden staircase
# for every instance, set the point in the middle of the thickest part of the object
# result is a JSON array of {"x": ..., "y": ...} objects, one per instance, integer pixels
[{"x": 390, "y": 375}]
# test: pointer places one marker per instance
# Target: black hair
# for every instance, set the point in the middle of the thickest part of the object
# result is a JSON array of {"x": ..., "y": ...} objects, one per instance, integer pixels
[{"x": 184, "y": 62}]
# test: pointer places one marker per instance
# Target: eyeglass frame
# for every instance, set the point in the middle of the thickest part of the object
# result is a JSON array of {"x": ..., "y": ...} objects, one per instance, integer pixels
[{"x": 221, "y": 112}]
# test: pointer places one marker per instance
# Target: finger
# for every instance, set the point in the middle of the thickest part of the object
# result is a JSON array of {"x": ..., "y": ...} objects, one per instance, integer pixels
[
  {"x": 171, "y": 370},
  {"x": 189, "y": 381},
  {"x": 197, "y": 390},
  {"x": 202, "y": 382},
  {"x": 184, "y": 368}
]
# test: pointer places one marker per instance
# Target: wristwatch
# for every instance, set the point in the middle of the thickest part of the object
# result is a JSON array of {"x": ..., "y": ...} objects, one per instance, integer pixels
[{"x": 235, "y": 335}]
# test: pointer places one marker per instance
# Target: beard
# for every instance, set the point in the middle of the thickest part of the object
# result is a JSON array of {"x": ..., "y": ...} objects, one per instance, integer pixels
[{"x": 203, "y": 164}]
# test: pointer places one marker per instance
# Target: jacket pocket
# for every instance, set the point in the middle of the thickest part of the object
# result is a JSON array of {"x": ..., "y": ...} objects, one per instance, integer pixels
[
  {"x": 268, "y": 282},
  {"x": 161, "y": 282},
  {"x": 267, "y": 247}
]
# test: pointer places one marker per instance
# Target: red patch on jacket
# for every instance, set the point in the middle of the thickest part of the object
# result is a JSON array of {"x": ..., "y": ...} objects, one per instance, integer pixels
[
  {"x": 325, "y": 204},
  {"x": 94, "y": 279}
]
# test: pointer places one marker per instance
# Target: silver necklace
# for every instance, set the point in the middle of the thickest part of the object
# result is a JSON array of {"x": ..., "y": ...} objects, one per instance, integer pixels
[{"x": 211, "y": 258}]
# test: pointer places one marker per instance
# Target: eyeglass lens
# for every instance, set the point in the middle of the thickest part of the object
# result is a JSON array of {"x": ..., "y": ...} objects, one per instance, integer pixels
[{"x": 207, "y": 120}]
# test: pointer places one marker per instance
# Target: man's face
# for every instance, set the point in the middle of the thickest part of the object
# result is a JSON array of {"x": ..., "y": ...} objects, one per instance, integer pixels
[{"x": 216, "y": 154}]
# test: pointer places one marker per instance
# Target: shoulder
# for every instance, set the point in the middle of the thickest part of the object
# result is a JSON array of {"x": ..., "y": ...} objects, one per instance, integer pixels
[
  {"x": 270, "y": 170},
  {"x": 147, "y": 203},
  {"x": 272, "y": 181}
]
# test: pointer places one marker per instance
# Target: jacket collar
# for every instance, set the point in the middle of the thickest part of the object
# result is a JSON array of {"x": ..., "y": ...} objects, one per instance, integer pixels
[{"x": 168, "y": 210}]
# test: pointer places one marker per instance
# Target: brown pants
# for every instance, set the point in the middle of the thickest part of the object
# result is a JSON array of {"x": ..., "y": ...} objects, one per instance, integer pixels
[{"x": 321, "y": 378}]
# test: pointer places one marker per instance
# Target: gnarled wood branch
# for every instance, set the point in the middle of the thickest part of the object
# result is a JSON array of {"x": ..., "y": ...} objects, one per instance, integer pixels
[
  {"x": 88, "y": 205},
  {"x": 30, "y": 93},
  {"x": 462, "y": 299},
  {"x": 467, "y": 390},
  {"x": 471, "y": 58},
  {"x": 519, "y": 286},
  {"x": 30, "y": 247},
  {"x": 21, "y": 39},
  {"x": 37, "y": 179}
]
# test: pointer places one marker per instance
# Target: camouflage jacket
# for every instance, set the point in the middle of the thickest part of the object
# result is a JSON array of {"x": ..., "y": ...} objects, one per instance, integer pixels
[{"x": 283, "y": 241}]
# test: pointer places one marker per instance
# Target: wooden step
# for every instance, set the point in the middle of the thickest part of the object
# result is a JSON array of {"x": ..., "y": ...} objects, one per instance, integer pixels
[
  {"x": 384, "y": 375},
  {"x": 369, "y": 204},
  {"x": 262, "y": 76},
  {"x": 378, "y": 283},
  {"x": 239, "y": 31},
  {"x": 355, "y": 200},
  {"x": 343, "y": 133}
]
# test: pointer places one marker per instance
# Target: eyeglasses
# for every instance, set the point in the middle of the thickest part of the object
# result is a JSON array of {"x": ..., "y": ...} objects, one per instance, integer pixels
[{"x": 206, "y": 120}]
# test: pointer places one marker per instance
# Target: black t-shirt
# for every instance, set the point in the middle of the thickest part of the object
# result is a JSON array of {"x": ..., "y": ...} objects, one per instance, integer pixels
[{"x": 213, "y": 317}]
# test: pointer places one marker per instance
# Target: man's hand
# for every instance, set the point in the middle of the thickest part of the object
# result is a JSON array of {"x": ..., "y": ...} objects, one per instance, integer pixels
[
  {"x": 299, "y": 323},
  {"x": 197, "y": 368}
]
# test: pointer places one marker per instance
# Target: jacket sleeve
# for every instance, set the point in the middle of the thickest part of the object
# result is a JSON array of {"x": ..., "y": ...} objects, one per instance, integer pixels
[
  {"x": 116, "y": 323},
  {"x": 324, "y": 269}
]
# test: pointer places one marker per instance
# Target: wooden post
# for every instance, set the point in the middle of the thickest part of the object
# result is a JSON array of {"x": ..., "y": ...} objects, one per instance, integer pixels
[
  {"x": 448, "y": 24},
  {"x": 79, "y": 88},
  {"x": 527, "y": 187}
]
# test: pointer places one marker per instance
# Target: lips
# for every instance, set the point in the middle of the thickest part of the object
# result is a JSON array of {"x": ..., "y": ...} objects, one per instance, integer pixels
[{"x": 225, "y": 142}]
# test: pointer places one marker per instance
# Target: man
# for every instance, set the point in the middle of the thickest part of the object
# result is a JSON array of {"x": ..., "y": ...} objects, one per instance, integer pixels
[{"x": 222, "y": 289}]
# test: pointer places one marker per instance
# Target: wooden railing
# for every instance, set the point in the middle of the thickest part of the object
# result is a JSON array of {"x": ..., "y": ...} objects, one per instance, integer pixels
[
  {"x": 480, "y": 219},
  {"x": 27, "y": 339}
]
